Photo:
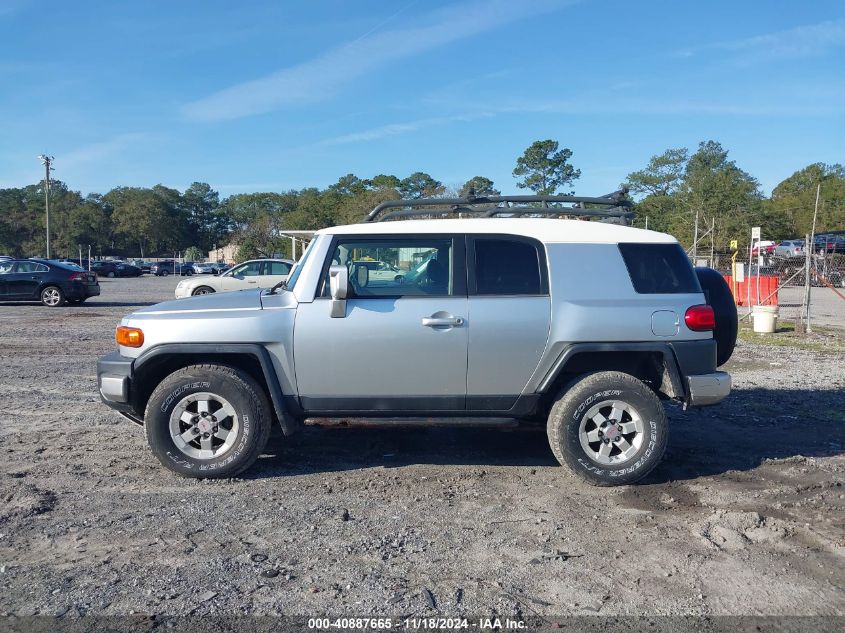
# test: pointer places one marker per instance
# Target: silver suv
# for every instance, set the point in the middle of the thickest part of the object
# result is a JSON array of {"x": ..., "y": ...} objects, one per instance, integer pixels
[{"x": 581, "y": 326}]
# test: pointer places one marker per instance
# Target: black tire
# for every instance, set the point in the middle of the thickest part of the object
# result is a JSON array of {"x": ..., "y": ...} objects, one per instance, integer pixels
[
  {"x": 244, "y": 395},
  {"x": 164, "y": 273},
  {"x": 206, "y": 290},
  {"x": 399, "y": 279},
  {"x": 576, "y": 401},
  {"x": 720, "y": 298},
  {"x": 110, "y": 274},
  {"x": 52, "y": 296}
]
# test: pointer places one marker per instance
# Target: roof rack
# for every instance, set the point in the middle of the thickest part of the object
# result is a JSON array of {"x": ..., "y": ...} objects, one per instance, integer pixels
[{"x": 615, "y": 206}]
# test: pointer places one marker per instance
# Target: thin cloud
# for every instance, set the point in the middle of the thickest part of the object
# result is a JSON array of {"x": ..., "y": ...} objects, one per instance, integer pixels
[
  {"x": 100, "y": 150},
  {"x": 395, "y": 129},
  {"x": 587, "y": 106},
  {"x": 323, "y": 76},
  {"x": 799, "y": 42}
]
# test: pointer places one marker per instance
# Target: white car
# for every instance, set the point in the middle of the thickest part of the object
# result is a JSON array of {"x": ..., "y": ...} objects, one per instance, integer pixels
[{"x": 256, "y": 273}]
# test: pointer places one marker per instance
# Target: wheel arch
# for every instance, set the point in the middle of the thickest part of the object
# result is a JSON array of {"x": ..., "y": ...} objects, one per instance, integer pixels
[
  {"x": 155, "y": 364},
  {"x": 654, "y": 364}
]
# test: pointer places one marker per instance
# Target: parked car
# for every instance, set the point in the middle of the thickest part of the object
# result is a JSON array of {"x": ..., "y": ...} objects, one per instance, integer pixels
[
  {"x": 496, "y": 326},
  {"x": 790, "y": 248},
  {"x": 115, "y": 268},
  {"x": 381, "y": 271},
  {"x": 50, "y": 282},
  {"x": 170, "y": 267},
  {"x": 256, "y": 273},
  {"x": 764, "y": 247},
  {"x": 144, "y": 266},
  {"x": 204, "y": 268},
  {"x": 824, "y": 244},
  {"x": 220, "y": 267},
  {"x": 2, "y": 257}
]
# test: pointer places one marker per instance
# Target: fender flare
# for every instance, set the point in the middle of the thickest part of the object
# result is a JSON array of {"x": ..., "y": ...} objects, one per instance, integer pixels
[
  {"x": 280, "y": 403},
  {"x": 670, "y": 362}
]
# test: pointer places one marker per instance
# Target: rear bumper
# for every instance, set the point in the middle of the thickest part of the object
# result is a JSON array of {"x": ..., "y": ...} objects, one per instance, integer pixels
[
  {"x": 78, "y": 290},
  {"x": 114, "y": 380},
  {"x": 707, "y": 389}
]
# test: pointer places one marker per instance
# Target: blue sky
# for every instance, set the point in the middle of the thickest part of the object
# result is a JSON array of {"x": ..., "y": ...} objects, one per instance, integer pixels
[{"x": 269, "y": 96}]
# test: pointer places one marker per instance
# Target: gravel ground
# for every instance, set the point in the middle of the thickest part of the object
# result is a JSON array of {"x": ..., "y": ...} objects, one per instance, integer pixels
[{"x": 746, "y": 515}]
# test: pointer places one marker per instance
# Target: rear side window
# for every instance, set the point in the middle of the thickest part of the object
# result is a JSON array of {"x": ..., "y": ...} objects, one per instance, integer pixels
[
  {"x": 659, "y": 269},
  {"x": 507, "y": 267},
  {"x": 277, "y": 268}
]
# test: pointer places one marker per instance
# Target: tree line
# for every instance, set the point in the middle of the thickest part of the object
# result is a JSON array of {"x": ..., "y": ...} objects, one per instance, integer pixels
[{"x": 673, "y": 189}]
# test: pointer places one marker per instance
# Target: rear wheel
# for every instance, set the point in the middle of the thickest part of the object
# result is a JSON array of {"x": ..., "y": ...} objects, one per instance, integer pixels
[
  {"x": 52, "y": 296},
  {"x": 609, "y": 428},
  {"x": 207, "y": 421}
]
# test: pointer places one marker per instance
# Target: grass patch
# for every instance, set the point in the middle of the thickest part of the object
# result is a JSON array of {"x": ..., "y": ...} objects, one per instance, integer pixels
[{"x": 822, "y": 339}]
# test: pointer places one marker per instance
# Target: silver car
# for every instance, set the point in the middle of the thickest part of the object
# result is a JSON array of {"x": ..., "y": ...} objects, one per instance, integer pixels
[
  {"x": 789, "y": 248},
  {"x": 580, "y": 326}
]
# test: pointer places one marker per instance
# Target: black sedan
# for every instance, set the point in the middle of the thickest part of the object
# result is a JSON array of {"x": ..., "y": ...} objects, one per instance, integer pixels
[
  {"x": 51, "y": 283},
  {"x": 115, "y": 269}
]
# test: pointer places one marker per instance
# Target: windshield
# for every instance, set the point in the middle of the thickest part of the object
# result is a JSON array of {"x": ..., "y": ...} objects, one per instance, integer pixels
[{"x": 297, "y": 268}]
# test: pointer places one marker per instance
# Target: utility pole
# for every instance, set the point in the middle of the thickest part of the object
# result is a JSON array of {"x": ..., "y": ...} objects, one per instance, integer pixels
[
  {"x": 810, "y": 244},
  {"x": 695, "y": 240},
  {"x": 47, "y": 161}
]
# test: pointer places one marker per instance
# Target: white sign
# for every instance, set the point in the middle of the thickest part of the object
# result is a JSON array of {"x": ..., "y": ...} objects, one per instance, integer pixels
[
  {"x": 740, "y": 272},
  {"x": 755, "y": 233}
]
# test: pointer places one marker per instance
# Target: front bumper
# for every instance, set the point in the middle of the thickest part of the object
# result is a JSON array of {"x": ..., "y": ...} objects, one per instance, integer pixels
[
  {"x": 707, "y": 389},
  {"x": 114, "y": 380}
]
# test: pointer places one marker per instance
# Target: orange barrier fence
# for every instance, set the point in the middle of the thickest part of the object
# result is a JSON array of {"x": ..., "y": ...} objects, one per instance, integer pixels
[{"x": 742, "y": 290}]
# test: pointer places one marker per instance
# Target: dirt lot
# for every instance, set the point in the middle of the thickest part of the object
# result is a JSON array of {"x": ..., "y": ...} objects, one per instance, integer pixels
[{"x": 745, "y": 516}]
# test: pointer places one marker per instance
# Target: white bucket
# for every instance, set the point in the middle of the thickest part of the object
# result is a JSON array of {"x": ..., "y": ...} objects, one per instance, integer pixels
[{"x": 765, "y": 319}]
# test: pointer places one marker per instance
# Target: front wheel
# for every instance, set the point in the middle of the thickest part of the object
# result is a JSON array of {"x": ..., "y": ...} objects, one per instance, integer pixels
[
  {"x": 609, "y": 428},
  {"x": 52, "y": 296},
  {"x": 207, "y": 421},
  {"x": 202, "y": 290},
  {"x": 164, "y": 273}
]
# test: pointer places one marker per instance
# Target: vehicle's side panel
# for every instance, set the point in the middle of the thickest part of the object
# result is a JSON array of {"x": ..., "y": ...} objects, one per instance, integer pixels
[
  {"x": 594, "y": 301},
  {"x": 507, "y": 336},
  {"x": 380, "y": 356}
]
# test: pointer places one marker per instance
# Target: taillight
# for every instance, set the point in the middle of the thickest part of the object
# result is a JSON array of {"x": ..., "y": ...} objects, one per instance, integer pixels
[
  {"x": 700, "y": 318},
  {"x": 77, "y": 277}
]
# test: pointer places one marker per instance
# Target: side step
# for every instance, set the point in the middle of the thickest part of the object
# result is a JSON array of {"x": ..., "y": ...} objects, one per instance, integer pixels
[{"x": 410, "y": 422}]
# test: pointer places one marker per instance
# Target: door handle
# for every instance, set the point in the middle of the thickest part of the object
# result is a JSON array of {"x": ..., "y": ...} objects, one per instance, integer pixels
[
  {"x": 249, "y": 281},
  {"x": 442, "y": 321}
]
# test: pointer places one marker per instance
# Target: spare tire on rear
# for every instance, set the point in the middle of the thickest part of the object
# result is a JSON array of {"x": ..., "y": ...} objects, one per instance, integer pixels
[{"x": 720, "y": 298}]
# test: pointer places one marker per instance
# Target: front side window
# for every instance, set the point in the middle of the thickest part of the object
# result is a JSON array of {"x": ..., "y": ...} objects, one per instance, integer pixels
[
  {"x": 507, "y": 267},
  {"x": 250, "y": 269},
  {"x": 397, "y": 267}
]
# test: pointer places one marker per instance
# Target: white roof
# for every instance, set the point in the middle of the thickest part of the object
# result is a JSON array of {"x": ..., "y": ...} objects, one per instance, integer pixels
[{"x": 543, "y": 229}]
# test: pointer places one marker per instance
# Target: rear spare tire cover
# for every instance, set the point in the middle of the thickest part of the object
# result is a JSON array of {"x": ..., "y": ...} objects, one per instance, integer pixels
[{"x": 719, "y": 297}]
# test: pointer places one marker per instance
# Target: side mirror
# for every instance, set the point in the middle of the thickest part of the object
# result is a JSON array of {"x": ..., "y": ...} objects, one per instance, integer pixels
[{"x": 338, "y": 288}]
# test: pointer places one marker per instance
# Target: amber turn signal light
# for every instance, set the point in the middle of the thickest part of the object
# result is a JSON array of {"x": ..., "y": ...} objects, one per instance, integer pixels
[{"x": 129, "y": 336}]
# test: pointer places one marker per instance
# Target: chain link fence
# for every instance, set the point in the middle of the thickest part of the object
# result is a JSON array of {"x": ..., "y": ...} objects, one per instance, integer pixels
[{"x": 776, "y": 277}]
